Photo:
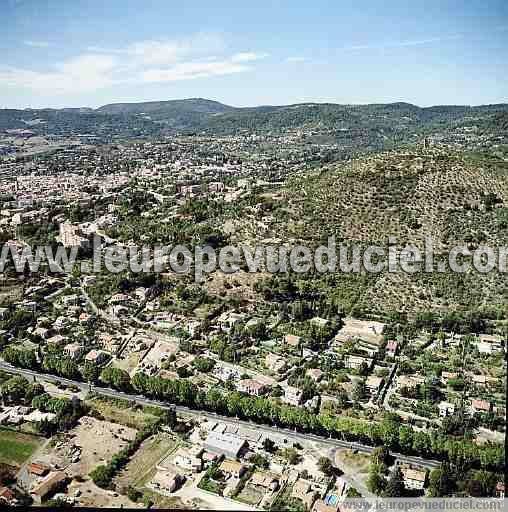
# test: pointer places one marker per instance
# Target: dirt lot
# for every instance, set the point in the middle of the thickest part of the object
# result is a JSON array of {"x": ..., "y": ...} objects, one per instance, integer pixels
[
  {"x": 93, "y": 441},
  {"x": 130, "y": 362},
  {"x": 250, "y": 495},
  {"x": 240, "y": 284},
  {"x": 352, "y": 462},
  {"x": 92, "y": 496},
  {"x": 99, "y": 440}
]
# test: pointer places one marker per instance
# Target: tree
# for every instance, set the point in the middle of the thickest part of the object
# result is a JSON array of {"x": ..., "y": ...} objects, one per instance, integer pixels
[
  {"x": 21, "y": 357},
  {"x": 395, "y": 485},
  {"x": 359, "y": 391},
  {"x": 480, "y": 483},
  {"x": 291, "y": 455},
  {"x": 203, "y": 364},
  {"x": 439, "y": 482},
  {"x": 325, "y": 465},
  {"x": 170, "y": 418},
  {"x": 46, "y": 427},
  {"x": 376, "y": 482},
  {"x": 14, "y": 389},
  {"x": 102, "y": 476},
  {"x": 380, "y": 455},
  {"x": 90, "y": 372},
  {"x": 268, "y": 445},
  {"x": 133, "y": 494},
  {"x": 116, "y": 377},
  {"x": 260, "y": 461},
  {"x": 56, "y": 503},
  {"x": 353, "y": 493},
  {"x": 34, "y": 389}
]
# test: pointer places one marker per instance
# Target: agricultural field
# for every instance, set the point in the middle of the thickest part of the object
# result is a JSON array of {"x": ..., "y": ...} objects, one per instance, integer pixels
[
  {"x": 141, "y": 467},
  {"x": 166, "y": 502},
  {"x": 17, "y": 447},
  {"x": 118, "y": 411},
  {"x": 250, "y": 495}
]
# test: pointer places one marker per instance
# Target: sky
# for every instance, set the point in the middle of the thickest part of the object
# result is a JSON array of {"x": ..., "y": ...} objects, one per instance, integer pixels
[{"x": 74, "y": 53}]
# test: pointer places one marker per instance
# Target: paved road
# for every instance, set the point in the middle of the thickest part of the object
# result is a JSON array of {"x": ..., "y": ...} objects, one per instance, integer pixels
[{"x": 332, "y": 443}]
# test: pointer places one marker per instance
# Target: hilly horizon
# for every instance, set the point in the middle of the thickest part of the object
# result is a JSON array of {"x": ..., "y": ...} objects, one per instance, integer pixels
[
  {"x": 366, "y": 126},
  {"x": 200, "y": 104}
]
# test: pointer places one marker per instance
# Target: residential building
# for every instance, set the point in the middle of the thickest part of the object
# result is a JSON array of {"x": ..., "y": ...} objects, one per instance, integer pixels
[
  {"x": 374, "y": 384},
  {"x": 480, "y": 405},
  {"x": 233, "y": 468},
  {"x": 229, "y": 319},
  {"x": 292, "y": 395},
  {"x": 70, "y": 236},
  {"x": 319, "y": 322},
  {"x": 446, "y": 376},
  {"x": 74, "y": 350},
  {"x": 302, "y": 489},
  {"x": 47, "y": 485},
  {"x": 446, "y": 409},
  {"x": 413, "y": 478},
  {"x": 292, "y": 340},
  {"x": 251, "y": 387},
  {"x": 275, "y": 363},
  {"x": 366, "y": 330},
  {"x": 38, "y": 469},
  {"x": 321, "y": 506},
  {"x": 189, "y": 459},
  {"x": 264, "y": 479},
  {"x": 57, "y": 341},
  {"x": 409, "y": 381},
  {"x": 98, "y": 357},
  {"x": 480, "y": 380},
  {"x": 315, "y": 374},
  {"x": 7, "y": 497},
  {"x": 356, "y": 362},
  {"x": 489, "y": 343},
  {"x": 166, "y": 481},
  {"x": 391, "y": 348}
]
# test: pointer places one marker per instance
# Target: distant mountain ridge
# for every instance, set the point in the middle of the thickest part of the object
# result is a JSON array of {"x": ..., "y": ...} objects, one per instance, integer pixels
[
  {"x": 199, "y": 105},
  {"x": 207, "y": 106},
  {"x": 139, "y": 119}
]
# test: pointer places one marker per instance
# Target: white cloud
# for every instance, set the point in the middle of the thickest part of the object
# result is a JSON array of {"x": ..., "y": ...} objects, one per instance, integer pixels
[
  {"x": 148, "y": 61},
  {"x": 193, "y": 70},
  {"x": 401, "y": 44},
  {"x": 83, "y": 73},
  {"x": 167, "y": 51},
  {"x": 248, "y": 56}
]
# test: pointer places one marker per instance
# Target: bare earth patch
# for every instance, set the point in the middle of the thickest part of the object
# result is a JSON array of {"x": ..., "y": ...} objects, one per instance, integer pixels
[
  {"x": 90, "y": 443},
  {"x": 240, "y": 284}
]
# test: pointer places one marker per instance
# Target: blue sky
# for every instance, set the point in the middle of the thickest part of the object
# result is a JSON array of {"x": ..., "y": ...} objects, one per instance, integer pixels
[{"x": 59, "y": 53}]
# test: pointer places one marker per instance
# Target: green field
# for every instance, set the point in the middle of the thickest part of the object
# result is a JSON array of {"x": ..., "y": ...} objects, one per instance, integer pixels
[
  {"x": 120, "y": 411},
  {"x": 16, "y": 447},
  {"x": 141, "y": 468}
]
